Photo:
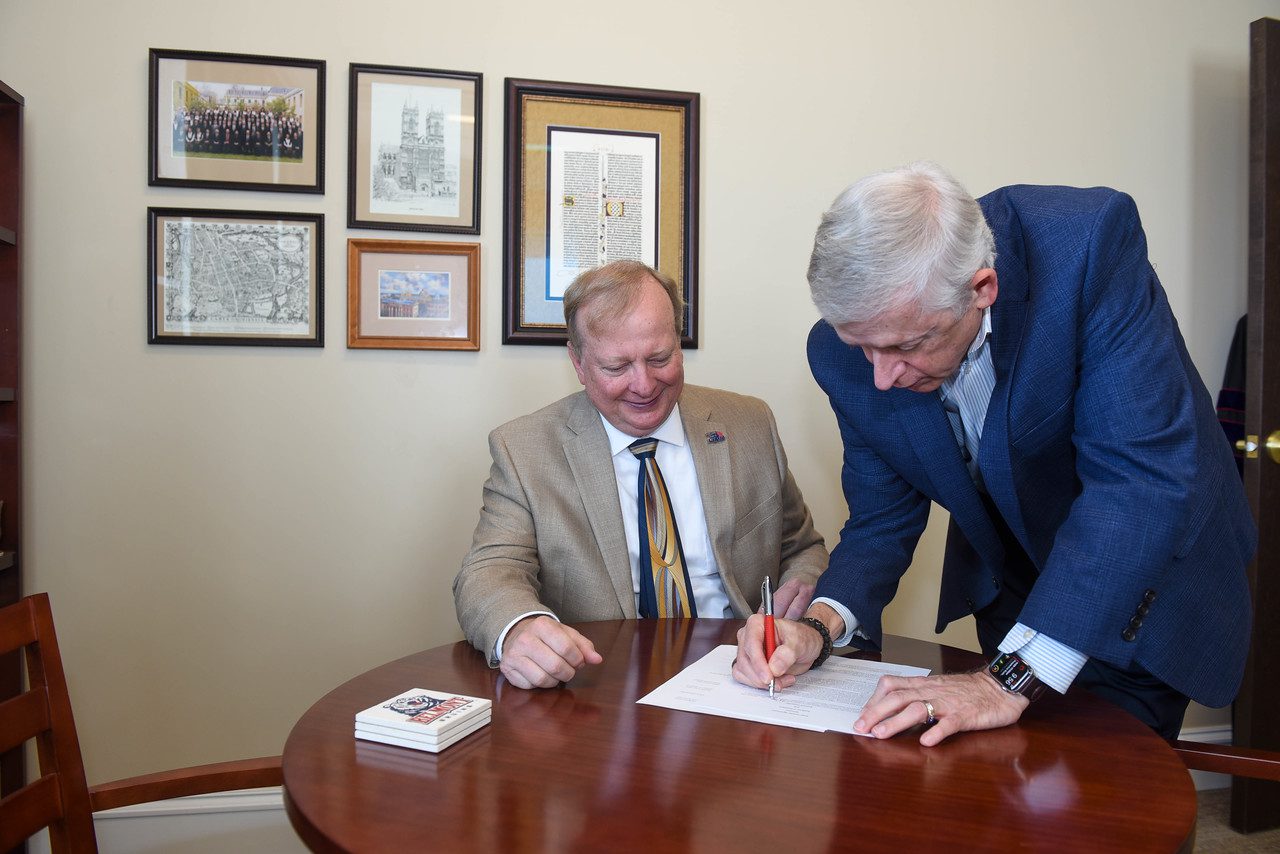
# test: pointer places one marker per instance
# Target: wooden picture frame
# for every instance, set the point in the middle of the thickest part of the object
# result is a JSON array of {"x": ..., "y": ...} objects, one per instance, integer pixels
[
  {"x": 563, "y": 144},
  {"x": 230, "y": 121},
  {"x": 414, "y": 149},
  {"x": 413, "y": 295},
  {"x": 235, "y": 277}
]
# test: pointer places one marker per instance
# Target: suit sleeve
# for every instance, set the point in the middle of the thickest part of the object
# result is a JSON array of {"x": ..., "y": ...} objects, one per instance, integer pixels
[
  {"x": 887, "y": 514},
  {"x": 804, "y": 554},
  {"x": 499, "y": 579}
]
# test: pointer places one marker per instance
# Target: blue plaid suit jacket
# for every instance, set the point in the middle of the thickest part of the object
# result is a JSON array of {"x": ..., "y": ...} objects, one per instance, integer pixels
[{"x": 1101, "y": 448}]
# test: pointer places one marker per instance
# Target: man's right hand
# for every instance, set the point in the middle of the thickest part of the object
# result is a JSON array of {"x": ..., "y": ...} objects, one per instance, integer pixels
[
  {"x": 540, "y": 652},
  {"x": 799, "y": 645}
]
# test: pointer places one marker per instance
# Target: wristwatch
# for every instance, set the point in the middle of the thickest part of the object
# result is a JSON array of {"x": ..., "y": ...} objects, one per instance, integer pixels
[
  {"x": 1015, "y": 675},
  {"x": 822, "y": 629}
]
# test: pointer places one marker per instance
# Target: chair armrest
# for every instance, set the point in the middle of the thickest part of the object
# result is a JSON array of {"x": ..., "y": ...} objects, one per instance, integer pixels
[
  {"x": 183, "y": 782},
  {"x": 1224, "y": 759}
]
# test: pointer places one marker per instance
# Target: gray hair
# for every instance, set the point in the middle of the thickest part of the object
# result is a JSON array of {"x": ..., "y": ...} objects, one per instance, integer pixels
[
  {"x": 604, "y": 294},
  {"x": 911, "y": 236}
]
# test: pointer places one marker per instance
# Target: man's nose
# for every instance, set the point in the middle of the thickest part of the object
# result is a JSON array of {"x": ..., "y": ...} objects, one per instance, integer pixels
[
  {"x": 642, "y": 382},
  {"x": 885, "y": 367}
]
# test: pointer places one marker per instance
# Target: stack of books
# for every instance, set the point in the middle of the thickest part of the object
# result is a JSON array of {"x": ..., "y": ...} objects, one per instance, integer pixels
[{"x": 423, "y": 720}]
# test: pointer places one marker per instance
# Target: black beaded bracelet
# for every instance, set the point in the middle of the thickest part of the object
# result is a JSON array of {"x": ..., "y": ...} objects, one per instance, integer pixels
[{"x": 826, "y": 640}]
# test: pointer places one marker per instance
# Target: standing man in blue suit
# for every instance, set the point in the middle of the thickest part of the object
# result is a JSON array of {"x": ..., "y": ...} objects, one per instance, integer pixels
[{"x": 1015, "y": 359}]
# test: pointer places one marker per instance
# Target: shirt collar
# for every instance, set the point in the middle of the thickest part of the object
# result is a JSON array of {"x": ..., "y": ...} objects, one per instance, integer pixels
[
  {"x": 670, "y": 431},
  {"x": 975, "y": 351}
]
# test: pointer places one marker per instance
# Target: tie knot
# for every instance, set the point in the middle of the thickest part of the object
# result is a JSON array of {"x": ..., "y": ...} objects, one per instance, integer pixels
[{"x": 644, "y": 448}]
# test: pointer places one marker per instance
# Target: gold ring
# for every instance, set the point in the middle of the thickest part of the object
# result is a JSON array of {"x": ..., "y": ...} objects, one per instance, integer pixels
[{"x": 930, "y": 717}]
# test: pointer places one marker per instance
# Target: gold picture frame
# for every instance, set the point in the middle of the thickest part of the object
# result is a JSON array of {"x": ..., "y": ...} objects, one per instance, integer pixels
[
  {"x": 413, "y": 295},
  {"x": 564, "y": 139}
]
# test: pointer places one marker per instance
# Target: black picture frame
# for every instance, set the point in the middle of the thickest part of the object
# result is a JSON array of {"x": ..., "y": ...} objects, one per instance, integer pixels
[
  {"x": 398, "y": 178},
  {"x": 230, "y": 121},
  {"x": 275, "y": 261},
  {"x": 536, "y": 110}
]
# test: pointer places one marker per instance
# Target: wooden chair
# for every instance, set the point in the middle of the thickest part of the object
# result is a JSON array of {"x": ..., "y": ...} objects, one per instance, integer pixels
[
  {"x": 60, "y": 798},
  {"x": 1223, "y": 759}
]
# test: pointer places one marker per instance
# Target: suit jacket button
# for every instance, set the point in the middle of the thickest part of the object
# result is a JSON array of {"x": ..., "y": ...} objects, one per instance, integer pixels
[
  {"x": 1149, "y": 596},
  {"x": 1128, "y": 634},
  {"x": 1143, "y": 609},
  {"x": 1135, "y": 623}
]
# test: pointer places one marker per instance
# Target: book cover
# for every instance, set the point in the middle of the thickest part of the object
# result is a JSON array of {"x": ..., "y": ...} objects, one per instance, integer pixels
[{"x": 425, "y": 712}]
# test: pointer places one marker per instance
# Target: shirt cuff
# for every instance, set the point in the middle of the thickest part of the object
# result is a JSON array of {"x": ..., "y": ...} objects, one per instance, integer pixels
[
  {"x": 497, "y": 647},
  {"x": 1054, "y": 663},
  {"x": 850, "y": 621}
]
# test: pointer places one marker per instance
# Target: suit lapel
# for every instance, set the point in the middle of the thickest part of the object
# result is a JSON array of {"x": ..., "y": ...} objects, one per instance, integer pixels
[
  {"x": 925, "y": 424},
  {"x": 711, "y": 461},
  {"x": 587, "y": 452},
  {"x": 1008, "y": 321}
]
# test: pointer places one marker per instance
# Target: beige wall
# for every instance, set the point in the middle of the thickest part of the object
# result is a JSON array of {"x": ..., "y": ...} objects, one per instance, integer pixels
[{"x": 228, "y": 533}]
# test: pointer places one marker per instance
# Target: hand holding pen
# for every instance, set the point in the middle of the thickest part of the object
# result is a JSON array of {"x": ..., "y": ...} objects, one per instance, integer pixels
[{"x": 770, "y": 630}]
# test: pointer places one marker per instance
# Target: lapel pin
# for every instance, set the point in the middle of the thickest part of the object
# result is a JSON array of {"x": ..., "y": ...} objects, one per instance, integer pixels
[{"x": 714, "y": 436}]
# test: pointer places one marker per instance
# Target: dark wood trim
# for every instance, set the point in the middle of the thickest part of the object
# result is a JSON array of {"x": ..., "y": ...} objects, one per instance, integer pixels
[{"x": 1255, "y": 804}]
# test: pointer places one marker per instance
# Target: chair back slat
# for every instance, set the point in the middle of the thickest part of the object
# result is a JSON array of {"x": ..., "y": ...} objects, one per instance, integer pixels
[
  {"x": 21, "y": 718},
  {"x": 17, "y": 628},
  {"x": 59, "y": 800},
  {"x": 28, "y": 810}
]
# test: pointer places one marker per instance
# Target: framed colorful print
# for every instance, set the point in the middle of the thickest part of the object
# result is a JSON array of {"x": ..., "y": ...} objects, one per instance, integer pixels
[
  {"x": 594, "y": 174},
  {"x": 413, "y": 295},
  {"x": 414, "y": 147},
  {"x": 230, "y": 121},
  {"x": 235, "y": 277}
]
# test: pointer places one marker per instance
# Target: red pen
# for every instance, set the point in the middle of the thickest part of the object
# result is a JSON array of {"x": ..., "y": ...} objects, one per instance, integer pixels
[{"x": 770, "y": 631}]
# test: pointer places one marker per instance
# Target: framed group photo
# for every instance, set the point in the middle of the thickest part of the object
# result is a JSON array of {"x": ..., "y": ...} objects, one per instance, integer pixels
[
  {"x": 235, "y": 121},
  {"x": 413, "y": 295},
  {"x": 594, "y": 174},
  {"x": 235, "y": 277},
  {"x": 414, "y": 148}
]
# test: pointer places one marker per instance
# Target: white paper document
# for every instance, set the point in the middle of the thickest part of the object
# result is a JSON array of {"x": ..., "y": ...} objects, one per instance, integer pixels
[{"x": 828, "y": 698}]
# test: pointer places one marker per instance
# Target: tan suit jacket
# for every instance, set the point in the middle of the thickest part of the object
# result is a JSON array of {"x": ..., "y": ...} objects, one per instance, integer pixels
[{"x": 550, "y": 536}]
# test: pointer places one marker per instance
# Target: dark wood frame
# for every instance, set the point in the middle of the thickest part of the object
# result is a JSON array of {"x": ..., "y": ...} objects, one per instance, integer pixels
[
  {"x": 1255, "y": 805},
  {"x": 358, "y": 338},
  {"x": 12, "y": 759},
  {"x": 315, "y": 184},
  {"x": 156, "y": 335},
  {"x": 353, "y": 147},
  {"x": 515, "y": 330}
]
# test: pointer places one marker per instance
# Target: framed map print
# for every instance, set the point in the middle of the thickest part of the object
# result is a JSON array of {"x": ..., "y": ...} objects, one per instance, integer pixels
[{"x": 235, "y": 277}]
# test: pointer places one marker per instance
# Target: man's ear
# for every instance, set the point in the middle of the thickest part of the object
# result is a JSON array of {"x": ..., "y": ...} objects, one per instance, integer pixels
[
  {"x": 576, "y": 358},
  {"x": 985, "y": 287}
]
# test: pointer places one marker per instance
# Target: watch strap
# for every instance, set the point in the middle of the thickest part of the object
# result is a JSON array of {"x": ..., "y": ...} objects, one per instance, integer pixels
[{"x": 826, "y": 639}]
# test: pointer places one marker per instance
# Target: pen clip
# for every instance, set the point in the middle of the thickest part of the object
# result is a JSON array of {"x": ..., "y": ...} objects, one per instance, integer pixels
[{"x": 766, "y": 596}]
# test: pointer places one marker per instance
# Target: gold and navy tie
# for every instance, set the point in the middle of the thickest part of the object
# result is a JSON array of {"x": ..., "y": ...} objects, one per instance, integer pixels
[{"x": 664, "y": 583}]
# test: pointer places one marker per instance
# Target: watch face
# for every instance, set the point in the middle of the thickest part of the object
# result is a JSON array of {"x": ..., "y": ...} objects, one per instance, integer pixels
[{"x": 1011, "y": 672}]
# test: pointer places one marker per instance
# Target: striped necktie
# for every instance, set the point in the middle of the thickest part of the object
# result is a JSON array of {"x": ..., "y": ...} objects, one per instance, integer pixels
[{"x": 664, "y": 583}]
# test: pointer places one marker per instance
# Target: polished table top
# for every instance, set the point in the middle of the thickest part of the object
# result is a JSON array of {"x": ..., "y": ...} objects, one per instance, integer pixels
[{"x": 583, "y": 767}]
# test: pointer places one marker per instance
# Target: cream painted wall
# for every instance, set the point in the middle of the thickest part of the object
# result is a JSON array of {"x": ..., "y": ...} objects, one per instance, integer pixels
[{"x": 228, "y": 533}]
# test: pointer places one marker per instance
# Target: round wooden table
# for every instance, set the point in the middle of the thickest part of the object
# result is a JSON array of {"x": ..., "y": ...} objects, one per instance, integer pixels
[{"x": 584, "y": 768}]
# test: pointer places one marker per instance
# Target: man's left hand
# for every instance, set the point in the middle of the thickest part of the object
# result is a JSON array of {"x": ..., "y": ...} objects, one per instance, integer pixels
[
  {"x": 961, "y": 701},
  {"x": 791, "y": 599}
]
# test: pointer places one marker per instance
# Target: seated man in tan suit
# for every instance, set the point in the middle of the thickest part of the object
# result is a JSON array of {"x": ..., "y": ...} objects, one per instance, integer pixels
[{"x": 561, "y": 526}]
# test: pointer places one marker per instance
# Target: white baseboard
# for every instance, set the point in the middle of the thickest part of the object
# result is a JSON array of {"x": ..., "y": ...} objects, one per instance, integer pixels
[
  {"x": 251, "y": 821},
  {"x": 1205, "y": 780}
]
